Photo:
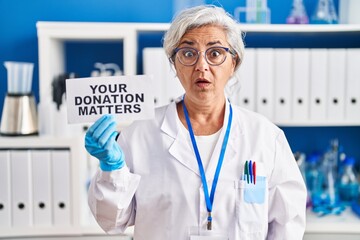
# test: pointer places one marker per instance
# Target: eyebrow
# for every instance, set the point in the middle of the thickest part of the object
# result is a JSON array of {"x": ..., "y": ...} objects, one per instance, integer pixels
[{"x": 191, "y": 43}]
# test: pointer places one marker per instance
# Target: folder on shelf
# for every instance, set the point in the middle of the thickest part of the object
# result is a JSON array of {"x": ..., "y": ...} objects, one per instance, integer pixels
[
  {"x": 5, "y": 186},
  {"x": 318, "y": 84},
  {"x": 21, "y": 186},
  {"x": 246, "y": 76},
  {"x": 61, "y": 185},
  {"x": 153, "y": 66},
  {"x": 283, "y": 71},
  {"x": 167, "y": 86},
  {"x": 336, "y": 84},
  {"x": 174, "y": 88},
  {"x": 300, "y": 84},
  {"x": 352, "y": 94},
  {"x": 265, "y": 82},
  {"x": 41, "y": 178}
]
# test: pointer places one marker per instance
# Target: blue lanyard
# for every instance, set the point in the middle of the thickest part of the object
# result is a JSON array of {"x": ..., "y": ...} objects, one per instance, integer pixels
[{"x": 209, "y": 200}]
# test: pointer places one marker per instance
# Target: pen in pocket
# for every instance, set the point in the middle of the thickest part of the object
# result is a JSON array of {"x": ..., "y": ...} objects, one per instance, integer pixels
[{"x": 250, "y": 172}]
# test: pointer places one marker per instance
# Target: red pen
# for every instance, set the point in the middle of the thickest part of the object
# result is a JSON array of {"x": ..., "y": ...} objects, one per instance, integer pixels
[{"x": 254, "y": 172}]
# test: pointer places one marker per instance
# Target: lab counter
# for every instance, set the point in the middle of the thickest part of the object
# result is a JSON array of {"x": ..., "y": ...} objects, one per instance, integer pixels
[{"x": 345, "y": 226}]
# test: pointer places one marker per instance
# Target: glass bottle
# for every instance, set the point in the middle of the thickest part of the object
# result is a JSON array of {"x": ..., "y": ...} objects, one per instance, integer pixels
[
  {"x": 329, "y": 167},
  {"x": 313, "y": 175},
  {"x": 324, "y": 13},
  {"x": 349, "y": 185},
  {"x": 298, "y": 13}
]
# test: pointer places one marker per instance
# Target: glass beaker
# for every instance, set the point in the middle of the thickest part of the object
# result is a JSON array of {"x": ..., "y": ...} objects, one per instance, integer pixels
[{"x": 19, "y": 76}]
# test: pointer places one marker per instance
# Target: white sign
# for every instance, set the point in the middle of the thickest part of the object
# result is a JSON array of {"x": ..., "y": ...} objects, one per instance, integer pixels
[{"x": 126, "y": 97}]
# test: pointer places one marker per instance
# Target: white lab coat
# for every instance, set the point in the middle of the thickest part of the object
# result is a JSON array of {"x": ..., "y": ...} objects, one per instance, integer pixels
[{"x": 160, "y": 190}]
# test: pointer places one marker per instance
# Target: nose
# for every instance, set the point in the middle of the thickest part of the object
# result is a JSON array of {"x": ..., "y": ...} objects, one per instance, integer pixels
[{"x": 201, "y": 65}]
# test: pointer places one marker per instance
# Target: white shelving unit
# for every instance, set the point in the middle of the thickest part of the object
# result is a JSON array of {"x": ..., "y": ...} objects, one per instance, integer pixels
[
  {"x": 53, "y": 35},
  {"x": 51, "y": 39},
  {"x": 81, "y": 223}
]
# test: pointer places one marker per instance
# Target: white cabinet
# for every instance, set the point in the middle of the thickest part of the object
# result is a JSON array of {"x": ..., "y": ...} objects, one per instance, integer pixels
[{"x": 52, "y": 195}]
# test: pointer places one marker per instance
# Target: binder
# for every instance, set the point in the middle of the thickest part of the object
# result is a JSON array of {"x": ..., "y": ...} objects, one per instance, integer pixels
[
  {"x": 283, "y": 71},
  {"x": 174, "y": 89},
  {"x": 300, "y": 84},
  {"x": 153, "y": 66},
  {"x": 318, "y": 84},
  {"x": 41, "y": 177},
  {"x": 232, "y": 89},
  {"x": 5, "y": 198},
  {"x": 61, "y": 178},
  {"x": 336, "y": 84},
  {"x": 167, "y": 86},
  {"x": 246, "y": 76},
  {"x": 352, "y": 105},
  {"x": 265, "y": 82},
  {"x": 21, "y": 188}
]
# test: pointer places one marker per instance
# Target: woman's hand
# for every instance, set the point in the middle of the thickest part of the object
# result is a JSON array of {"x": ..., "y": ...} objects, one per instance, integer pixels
[{"x": 100, "y": 142}]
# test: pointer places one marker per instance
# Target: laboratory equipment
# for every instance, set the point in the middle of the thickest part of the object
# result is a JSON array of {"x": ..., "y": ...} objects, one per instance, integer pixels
[
  {"x": 330, "y": 169},
  {"x": 348, "y": 185},
  {"x": 255, "y": 11},
  {"x": 313, "y": 175},
  {"x": 106, "y": 69},
  {"x": 324, "y": 13},
  {"x": 298, "y": 13},
  {"x": 179, "y": 5},
  {"x": 19, "y": 116},
  {"x": 355, "y": 206}
]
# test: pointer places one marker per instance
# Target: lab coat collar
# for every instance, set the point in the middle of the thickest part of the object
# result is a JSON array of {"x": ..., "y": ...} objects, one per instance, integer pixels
[
  {"x": 179, "y": 148},
  {"x": 183, "y": 152}
]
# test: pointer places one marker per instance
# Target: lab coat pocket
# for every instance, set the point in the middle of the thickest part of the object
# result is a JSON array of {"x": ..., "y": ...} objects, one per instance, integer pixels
[
  {"x": 251, "y": 209},
  {"x": 255, "y": 193}
]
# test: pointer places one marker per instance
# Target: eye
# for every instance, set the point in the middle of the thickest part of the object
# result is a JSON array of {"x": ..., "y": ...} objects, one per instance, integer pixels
[
  {"x": 188, "y": 53},
  {"x": 215, "y": 52}
]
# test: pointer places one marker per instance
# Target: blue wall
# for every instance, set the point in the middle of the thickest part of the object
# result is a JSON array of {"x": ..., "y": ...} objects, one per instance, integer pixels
[{"x": 18, "y": 42}]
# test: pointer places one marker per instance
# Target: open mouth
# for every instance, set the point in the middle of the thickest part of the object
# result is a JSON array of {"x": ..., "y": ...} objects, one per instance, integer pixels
[{"x": 201, "y": 82}]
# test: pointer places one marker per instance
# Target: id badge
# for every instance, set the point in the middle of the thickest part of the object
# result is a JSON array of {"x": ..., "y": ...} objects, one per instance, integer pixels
[{"x": 195, "y": 233}]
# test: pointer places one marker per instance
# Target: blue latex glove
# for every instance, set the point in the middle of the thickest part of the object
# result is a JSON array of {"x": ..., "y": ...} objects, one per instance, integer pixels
[{"x": 100, "y": 142}]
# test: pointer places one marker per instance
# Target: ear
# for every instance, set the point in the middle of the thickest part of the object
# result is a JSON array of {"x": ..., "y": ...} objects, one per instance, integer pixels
[{"x": 235, "y": 61}]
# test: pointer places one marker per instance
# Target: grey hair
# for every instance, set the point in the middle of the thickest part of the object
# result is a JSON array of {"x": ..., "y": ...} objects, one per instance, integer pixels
[{"x": 201, "y": 16}]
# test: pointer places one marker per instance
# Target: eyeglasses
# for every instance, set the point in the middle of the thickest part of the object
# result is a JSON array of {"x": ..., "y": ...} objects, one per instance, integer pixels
[{"x": 187, "y": 56}]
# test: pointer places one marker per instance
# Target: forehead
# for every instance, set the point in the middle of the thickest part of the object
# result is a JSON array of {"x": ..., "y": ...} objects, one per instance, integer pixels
[{"x": 204, "y": 35}]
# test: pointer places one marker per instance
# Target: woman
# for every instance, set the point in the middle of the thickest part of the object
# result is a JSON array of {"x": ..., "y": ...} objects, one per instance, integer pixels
[{"x": 202, "y": 168}]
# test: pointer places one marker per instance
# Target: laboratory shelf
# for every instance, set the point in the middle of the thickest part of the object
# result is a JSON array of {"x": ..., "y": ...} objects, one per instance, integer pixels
[
  {"x": 345, "y": 223},
  {"x": 305, "y": 28},
  {"x": 53, "y": 35}
]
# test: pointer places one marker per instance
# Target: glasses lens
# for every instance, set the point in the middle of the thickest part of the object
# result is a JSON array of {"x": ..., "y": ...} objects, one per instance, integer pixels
[
  {"x": 187, "y": 56},
  {"x": 215, "y": 55}
]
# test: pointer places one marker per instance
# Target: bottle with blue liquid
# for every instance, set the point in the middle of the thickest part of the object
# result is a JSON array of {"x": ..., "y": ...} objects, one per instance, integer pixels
[
  {"x": 313, "y": 176},
  {"x": 348, "y": 186}
]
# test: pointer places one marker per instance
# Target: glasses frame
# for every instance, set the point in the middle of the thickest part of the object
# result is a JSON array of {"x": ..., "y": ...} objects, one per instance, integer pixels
[{"x": 176, "y": 50}]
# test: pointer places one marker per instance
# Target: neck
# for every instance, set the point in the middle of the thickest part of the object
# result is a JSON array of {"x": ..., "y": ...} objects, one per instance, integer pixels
[{"x": 205, "y": 119}]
